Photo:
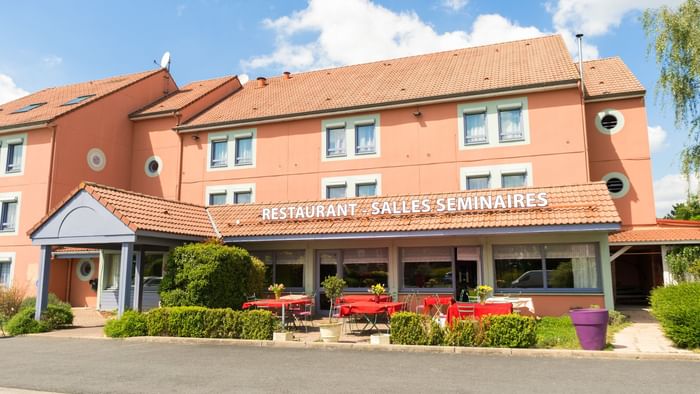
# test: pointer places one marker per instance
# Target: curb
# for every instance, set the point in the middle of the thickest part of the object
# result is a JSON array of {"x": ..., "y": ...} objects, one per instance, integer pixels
[{"x": 538, "y": 353}]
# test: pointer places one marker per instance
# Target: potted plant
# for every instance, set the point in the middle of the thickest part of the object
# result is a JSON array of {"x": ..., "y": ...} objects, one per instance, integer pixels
[
  {"x": 277, "y": 289},
  {"x": 333, "y": 287},
  {"x": 591, "y": 326},
  {"x": 377, "y": 290},
  {"x": 483, "y": 292}
]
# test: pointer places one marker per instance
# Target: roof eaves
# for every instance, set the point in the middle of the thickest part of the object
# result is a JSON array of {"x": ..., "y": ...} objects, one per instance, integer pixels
[
  {"x": 615, "y": 96},
  {"x": 455, "y": 96},
  {"x": 25, "y": 126}
]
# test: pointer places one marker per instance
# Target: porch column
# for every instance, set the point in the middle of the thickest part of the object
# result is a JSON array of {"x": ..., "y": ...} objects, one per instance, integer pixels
[
  {"x": 125, "y": 277},
  {"x": 42, "y": 290},
  {"x": 668, "y": 277},
  {"x": 138, "y": 281}
]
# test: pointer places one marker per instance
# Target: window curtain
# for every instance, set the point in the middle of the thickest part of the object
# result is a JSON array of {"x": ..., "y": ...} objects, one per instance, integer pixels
[
  {"x": 336, "y": 141},
  {"x": 365, "y": 138},
  {"x": 5, "y": 272},
  {"x": 583, "y": 263},
  {"x": 517, "y": 252},
  {"x": 475, "y": 127},
  {"x": 366, "y": 190},
  {"x": 244, "y": 151},
  {"x": 290, "y": 257},
  {"x": 513, "y": 180},
  {"x": 510, "y": 123},
  {"x": 367, "y": 256},
  {"x": 10, "y": 215},
  {"x": 419, "y": 255},
  {"x": 14, "y": 158},
  {"x": 218, "y": 155}
]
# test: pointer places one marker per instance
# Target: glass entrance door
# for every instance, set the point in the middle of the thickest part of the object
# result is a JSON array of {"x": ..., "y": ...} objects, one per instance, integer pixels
[
  {"x": 327, "y": 261},
  {"x": 466, "y": 269}
]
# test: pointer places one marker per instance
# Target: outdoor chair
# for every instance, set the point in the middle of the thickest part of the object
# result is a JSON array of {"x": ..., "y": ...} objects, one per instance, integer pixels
[{"x": 465, "y": 309}]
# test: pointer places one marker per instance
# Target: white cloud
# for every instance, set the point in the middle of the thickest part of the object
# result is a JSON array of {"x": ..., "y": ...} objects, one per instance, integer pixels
[
  {"x": 597, "y": 17},
  {"x": 52, "y": 60},
  {"x": 455, "y": 5},
  {"x": 657, "y": 138},
  {"x": 338, "y": 38},
  {"x": 672, "y": 189},
  {"x": 8, "y": 90}
]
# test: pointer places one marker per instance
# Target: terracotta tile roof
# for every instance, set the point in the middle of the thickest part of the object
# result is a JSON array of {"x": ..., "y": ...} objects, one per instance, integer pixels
[
  {"x": 183, "y": 97},
  {"x": 74, "y": 250},
  {"x": 146, "y": 213},
  {"x": 568, "y": 205},
  {"x": 609, "y": 77},
  {"x": 56, "y": 97},
  {"x": 525, "y": 63},
  {"x": 665, "y": 231}
]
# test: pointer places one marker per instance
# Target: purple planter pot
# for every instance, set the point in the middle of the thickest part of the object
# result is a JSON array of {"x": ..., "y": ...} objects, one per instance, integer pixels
[{"x": 591, "y": 327}]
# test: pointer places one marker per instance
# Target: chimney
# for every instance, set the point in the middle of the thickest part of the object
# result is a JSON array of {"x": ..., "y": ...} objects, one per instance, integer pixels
[
  {"x": 262, "y": 81},
  {"x": 286, "y": 75},
  {"x": 579, "y": 37}
]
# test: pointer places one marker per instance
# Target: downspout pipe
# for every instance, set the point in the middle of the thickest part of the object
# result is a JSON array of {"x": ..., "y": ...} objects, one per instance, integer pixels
[{"x": 579, "y": 37}]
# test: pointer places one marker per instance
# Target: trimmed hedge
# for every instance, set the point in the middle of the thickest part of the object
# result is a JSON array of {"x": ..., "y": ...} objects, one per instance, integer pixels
[
  {"x": 678, "y": 310},
  {"x": 54, "y": 317},
  {"x": 408, "y": 328},
  {"x": 194, "y": 322},
  {"x": 211, "y": 275}
]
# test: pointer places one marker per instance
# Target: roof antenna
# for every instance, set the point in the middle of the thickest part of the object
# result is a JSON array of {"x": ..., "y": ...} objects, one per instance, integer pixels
[{"x": 579, "y": 37}]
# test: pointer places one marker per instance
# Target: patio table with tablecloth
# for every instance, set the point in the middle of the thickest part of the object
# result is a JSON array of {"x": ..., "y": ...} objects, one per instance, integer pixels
[
  {"x": 517, "y": 302},
  {"x": 479, "y": 311},
  {"x": 349, "y": 298},
  {"x": 283, "y": 304},
  {"x": 366, "y": 308},
  {"x": 436, "y": 302}
]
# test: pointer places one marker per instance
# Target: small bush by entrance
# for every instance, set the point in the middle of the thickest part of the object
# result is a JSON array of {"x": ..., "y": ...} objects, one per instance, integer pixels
[
  {"x": 55, "y": 316},
  {"x": 211, "y": 275},
  {"x": 678, "y": 310}
]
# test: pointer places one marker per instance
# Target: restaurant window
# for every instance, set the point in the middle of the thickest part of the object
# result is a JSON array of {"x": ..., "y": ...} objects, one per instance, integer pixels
[
  {"x": 365, "y": 189},
  {"x": 475, "y": 128},
  {"x": 336, "y": 191},
  {"x": 517, "y": 179},
  {"x": 510, "y": 124},
  {"x": 283, "y": 266},
  {"x": 5, "y": 271},
  {"x": 429, "y": 268},
  {"x": 335, "y": 137},
  {"x": 477, "y": 182},
  {"x": 364, "y": 139},
  {"x": 244, "y": 151},
  {"x": 152, "y": 271},
  {"x": 360, "y": 268},
  {"x": 542, "y": 267}
]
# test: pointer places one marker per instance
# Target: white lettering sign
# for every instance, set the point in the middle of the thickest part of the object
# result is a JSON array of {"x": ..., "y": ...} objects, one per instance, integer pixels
[{"x": 409, "y": 206}]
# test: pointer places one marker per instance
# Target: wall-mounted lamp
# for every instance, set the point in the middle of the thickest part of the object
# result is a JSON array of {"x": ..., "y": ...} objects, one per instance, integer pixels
[
  {"x": 417, "y": 113},
  {"x": 195, "y": 137}
]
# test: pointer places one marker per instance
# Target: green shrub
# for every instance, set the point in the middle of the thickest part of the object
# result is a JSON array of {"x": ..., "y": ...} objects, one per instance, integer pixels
[
  {"x": 23, "y": 323},
  {"x": 10, "y": 302},
  {"x": 616, "y": 318},
  {"x": 512, "y": 331},
  {"x": 30, "y": 302},
  {"x": 257, "y": 324},
  {"x": 462, "y": 333},
  {"x": 678, "y": 310},
  {"x": 557, "y": 332},
  {"x": 256, "y": 276},
  {"x": 209, "y": 275},
  {"x": 131, "y": 324},
  {"x": 58, "y": 315},
  {"x": 408, "y": 328}
]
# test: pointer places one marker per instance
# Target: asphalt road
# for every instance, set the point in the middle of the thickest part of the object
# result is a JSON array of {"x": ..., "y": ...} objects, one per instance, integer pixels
[{"x": 91, "y": 366}]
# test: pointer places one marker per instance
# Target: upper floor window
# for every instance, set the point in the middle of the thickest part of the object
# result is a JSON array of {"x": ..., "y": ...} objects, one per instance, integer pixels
[
  {"x": 230, "y": 194},
  {"x": 232, "y": 150},
  {"x": 79, "y": 99},
  {"x": 352, "y": 137},
  {"x": 351, "y": 186},
  {"x": 8, "y": 215},
  {"x": 12, "y": 154},
  {"x": 496, "y": 176},
  {"x": 510, "y": 124},
  {"x": 6, "y": 270},
  {"x": 475, "y": 128},
  {"x": 493, "y": 123}
]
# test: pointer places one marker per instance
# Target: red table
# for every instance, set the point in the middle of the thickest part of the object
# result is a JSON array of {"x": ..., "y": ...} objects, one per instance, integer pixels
[
  {"x": 366, "y": 308},
  {"x": 273, "y": 303},
  {"x": 436, "y": 301},
  {"x": 350, "y": 298},
  {"x": 479, "y": 311}
]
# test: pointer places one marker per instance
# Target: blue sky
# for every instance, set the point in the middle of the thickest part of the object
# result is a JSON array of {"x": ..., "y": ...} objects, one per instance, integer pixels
[{"x": 50, "y": 43}]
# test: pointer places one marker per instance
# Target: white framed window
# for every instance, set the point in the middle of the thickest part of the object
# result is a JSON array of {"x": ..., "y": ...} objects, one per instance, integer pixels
[
  {"x": 230, "y": 194},
  {"x": 153, "y": 166},
  {"x": 490, "y": 124},
  {"x": 6, "y": 268},
  {"x": 231, "y": 150},
  {"x": 496, "y": 176},
  {"x": 12, "y": 154},
  {"x": 9, "y": 213},
  {"x": 350, "y": 138},
  {"x": 351, "y": 186}
]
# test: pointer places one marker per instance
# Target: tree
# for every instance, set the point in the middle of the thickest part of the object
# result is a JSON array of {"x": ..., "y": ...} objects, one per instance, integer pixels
[
  {"x": 689, "y": 210},
  {"x": 675, "y": 35}
]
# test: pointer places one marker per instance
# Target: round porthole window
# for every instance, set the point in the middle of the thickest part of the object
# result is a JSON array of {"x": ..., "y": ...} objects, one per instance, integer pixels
[
  {"x": 617, "y": 183},
  {"x": 153, "y": 166},
  {"x": 609, "y": 121},
  {"x": 96, "y": 159},
  {"x": 85, "y": 270}
]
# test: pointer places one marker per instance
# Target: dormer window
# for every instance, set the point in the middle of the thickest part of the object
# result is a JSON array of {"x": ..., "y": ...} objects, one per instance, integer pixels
[
  {"x": 79, "y": 99},
  {"x": 28, "y": 108}
]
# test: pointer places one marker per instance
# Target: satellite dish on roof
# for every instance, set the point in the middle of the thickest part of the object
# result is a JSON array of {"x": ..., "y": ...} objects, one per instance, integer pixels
[
  {"x": 165, "y": 60},
  {"x": 243, "y": 78}
]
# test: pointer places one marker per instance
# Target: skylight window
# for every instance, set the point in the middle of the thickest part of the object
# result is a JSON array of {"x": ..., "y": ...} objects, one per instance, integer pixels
[
  {"x": 28, "y": 108},
  {"x": 79, "y": 99}
]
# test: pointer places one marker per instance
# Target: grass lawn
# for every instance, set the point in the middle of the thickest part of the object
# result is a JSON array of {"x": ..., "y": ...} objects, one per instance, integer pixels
[{"x": 559, "y": 333}]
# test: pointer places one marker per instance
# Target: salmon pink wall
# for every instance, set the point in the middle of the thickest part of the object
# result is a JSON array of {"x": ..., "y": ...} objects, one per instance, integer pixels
[
  {"x": 417, "y": 154},
  {"x": 156, "y": 137},
  {"x": 103, "y": 124},
  {"x": 80, "y": 292},
  {"x": 627, "y": 152}
]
